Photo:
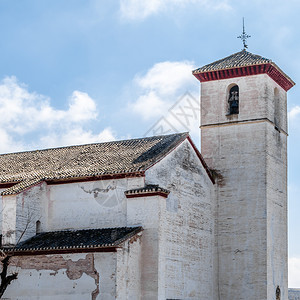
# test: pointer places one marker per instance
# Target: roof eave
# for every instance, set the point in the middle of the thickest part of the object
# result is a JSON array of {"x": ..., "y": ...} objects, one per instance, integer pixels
[
  {"x": 184, "y": 136},
  {"x": 11, "y": 191},
  {"x": 271, "y": 69},
  {"x": 112, "y": 247},
  {"x": 28, "y": 252}
]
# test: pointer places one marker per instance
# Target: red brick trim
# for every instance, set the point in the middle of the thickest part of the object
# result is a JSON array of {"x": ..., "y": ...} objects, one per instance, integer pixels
[
  {"x": 80, "y": 179},
  {"x": 93, "y": 178},
  {"x": 270, "y": 69}
]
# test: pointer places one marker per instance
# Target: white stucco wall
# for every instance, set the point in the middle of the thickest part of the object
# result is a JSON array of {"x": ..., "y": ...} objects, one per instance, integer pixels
[
  {"x": 277, "y": 213},
  {"x": 90, "y": 276},
  {"x": 22, "y": 211},
  {"x": 256, "y": 100},
  {"x": 187, "y": 226},
  {"x": 80, "y": 205},
  {"x": 9, "y": 219},
  {"x": 249, "y": 158},
  {"x": 1, "y": 210},
  {"x": 32, "y": 207},
  {"x": 149, "y": 213},
  {"x": 129, "y": 270},
  {"x": 90, "y": 204},
  {"x": 242, "y": 208}
]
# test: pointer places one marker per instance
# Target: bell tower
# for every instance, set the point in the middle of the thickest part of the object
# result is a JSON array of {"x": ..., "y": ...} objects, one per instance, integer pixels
[{"x": 244, "y": 142}]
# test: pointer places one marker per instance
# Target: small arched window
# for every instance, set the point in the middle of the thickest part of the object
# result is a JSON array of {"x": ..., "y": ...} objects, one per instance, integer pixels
[
  {"x": 37, "y": 227},
  {"x": 233, "y": 100},
  {"x": 278, "y": 293}
]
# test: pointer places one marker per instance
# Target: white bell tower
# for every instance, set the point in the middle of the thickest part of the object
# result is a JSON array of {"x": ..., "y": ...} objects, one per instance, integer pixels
[{"x": 244, "y": 141}]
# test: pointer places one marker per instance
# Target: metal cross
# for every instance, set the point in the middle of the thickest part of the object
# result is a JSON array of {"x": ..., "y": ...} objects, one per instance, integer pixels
[{"x": 244, "y": 36}]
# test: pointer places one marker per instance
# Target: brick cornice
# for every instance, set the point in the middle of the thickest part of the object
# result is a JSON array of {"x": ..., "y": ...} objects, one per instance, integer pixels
[{"x": 270, "y": 69}]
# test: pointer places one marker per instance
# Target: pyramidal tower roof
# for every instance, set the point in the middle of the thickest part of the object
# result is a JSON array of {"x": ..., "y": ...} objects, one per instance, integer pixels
[
  {"x": 239, "y": 59},
  {"x": 243, "y": 63}
]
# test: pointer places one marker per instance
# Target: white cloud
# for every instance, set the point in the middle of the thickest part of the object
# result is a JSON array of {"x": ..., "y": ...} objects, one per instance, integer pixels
[
  {"x": 294, "y": 112},
  {"x": 167, "y": 77},
  {"x": 163, "y": 98},
  {"x": 162, "y": 86},
  {"x": 76, "y": 136},
  {"x": 25, "y": 114},
  {"x": 294, "y": 272},
  {"x": 149, "y": 105},
  {"x": 137, "y": 10},
  {"x": 81, "y": 107}
]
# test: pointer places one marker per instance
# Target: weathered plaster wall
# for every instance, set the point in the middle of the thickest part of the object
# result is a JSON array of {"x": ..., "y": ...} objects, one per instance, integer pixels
[
  {"x": 106, "y": 266},
  {"x": 242, "y": 209},
  {"x": 59, "y": 276},
  {"x": 149, "y": 213},
  {"x": 128, "y": 275},
  {"x": 250, "y": 185},
  {"x": 9, "y": 220},
  {"x": 93, "y": 276},
  {"x": 187, "y": 227},
  {"x": 92, "y": 204},
  {"x": 1, "y": 209},
  {"x": 22, "y": 211},
  {"x": 277, "y": 212},
  {"x": 256, "y": 100},
  {"x": 31, "y": 207},
  {"x": 172, "y": 260}
]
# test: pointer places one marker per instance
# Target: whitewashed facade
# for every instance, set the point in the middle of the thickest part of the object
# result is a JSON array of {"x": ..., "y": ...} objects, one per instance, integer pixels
[
  {"x": 194, "y": 227},
  {"x": 170, "y": 259}
]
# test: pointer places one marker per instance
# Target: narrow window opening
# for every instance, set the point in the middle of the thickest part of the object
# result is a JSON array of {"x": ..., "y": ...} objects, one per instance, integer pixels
[
  {"x": 233, "y": 100},
  {"x": 38, "y": 227},
  {"x": 278, "y": 293}
]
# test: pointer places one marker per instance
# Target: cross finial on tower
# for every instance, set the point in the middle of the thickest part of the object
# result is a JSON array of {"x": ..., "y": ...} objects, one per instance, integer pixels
[{"x": 244, "y": 36}]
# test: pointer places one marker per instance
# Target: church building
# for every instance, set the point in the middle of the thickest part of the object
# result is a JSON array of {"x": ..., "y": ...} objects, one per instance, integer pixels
[{"x": 155, "y": 218}]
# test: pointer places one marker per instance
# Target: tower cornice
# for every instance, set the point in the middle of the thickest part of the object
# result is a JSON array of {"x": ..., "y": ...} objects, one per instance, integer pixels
[
  {"x": 243, "y": 64},
  {"x": 270, "y": 69}
]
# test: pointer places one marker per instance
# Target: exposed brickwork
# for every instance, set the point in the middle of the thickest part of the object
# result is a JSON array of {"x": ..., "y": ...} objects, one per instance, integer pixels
[{"x": 74, "y": 269}]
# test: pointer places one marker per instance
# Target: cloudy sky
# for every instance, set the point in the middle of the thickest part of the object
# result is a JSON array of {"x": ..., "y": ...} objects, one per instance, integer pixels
[{"x": 83, "y": 71}]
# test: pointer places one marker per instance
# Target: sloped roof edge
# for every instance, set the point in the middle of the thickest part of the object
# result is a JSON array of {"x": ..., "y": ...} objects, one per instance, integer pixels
[
  {"x": 116, "y": 158},
  {"x": 199, "y": 155},
  {"x": 82, "y": 239},
  {"x": 202, "y": 160}
]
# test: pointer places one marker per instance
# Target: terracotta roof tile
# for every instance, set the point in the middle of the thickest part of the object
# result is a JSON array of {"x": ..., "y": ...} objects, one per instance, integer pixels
[
  {"x": 148, "y": 189},
  {"x": 118, "y": 157},
  {"x": 77, "y": 239},
  {"x": 21, "y": 186},
  {"x": 239, "y": 59}
]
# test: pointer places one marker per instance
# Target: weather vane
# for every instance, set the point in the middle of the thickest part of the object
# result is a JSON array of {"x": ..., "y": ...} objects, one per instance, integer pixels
[{"x": 244, "y": 36}]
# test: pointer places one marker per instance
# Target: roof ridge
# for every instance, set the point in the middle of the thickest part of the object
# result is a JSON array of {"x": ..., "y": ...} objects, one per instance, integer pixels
[
  {"x": 90, "y": 160},
  {"x": 91, "y": 144}
]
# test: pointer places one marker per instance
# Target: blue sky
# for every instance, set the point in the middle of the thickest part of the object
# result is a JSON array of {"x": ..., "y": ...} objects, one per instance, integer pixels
[{"x": 82, "y": 71}]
